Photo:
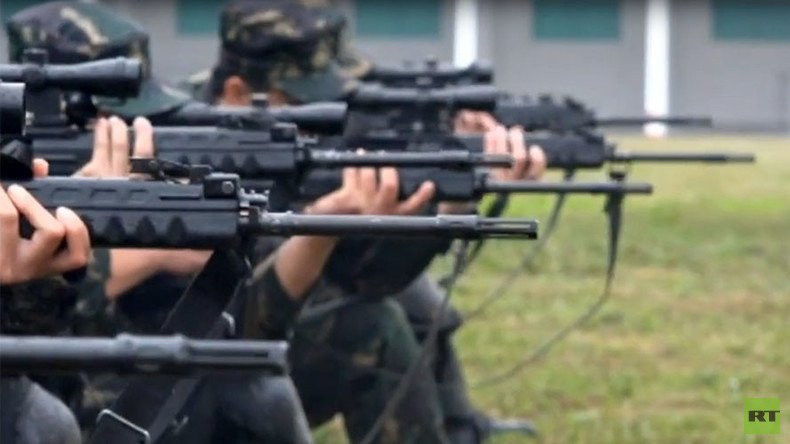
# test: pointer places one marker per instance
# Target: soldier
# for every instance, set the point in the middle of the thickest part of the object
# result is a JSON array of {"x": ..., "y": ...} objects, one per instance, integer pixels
[
  {"x": 280, "y": 282},
  {"x": 32, "y": 294},
  {"x": 339, "y": 364},
  {"x": 318, "y": 57}
]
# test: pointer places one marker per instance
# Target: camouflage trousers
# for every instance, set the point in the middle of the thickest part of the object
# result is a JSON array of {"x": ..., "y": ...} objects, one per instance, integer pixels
[
  {"x": 241, "y": 409},
  {"x": 350, "y": 361}
]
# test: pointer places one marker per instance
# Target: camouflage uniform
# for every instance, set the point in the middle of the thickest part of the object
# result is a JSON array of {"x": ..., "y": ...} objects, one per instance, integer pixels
[
  {"x": 30, "y": 414},
  {"x": 345, "y": 55},
  {"x": 422, "y": 297},
  {"x": 392, "y": 267},
  {"x": 349, "y": 359},
  {"x": 247, "y": 409}
]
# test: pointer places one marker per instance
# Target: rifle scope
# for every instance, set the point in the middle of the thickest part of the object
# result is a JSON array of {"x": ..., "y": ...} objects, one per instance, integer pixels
[
  {"x": 431, "y": 73},
  {"x": 479, "y": 97},
  {"x": 319, "y": 118},
  {"x": 119, "y": 77}
]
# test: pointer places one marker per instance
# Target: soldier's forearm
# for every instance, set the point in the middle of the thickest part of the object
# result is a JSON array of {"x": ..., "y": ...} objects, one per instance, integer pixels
[
  {"x": 456, "y": 207},
  {"x": 300, "y": 262}
]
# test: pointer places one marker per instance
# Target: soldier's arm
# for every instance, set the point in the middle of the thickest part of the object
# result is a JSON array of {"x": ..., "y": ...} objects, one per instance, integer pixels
[
  {"x": 280, "y": 282},
  {"x": 300, "y": 261},
  {"x": 42, "y": 255},
  {"x": 110, "y": 158},
  {"x": 528, "y": 162}
]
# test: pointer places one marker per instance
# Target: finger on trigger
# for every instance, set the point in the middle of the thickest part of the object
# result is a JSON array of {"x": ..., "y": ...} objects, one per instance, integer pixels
[
  {"x": 143, "y": 138},
  {"x": 119, "y": 141},
  {"x": 40, "y": 167}
]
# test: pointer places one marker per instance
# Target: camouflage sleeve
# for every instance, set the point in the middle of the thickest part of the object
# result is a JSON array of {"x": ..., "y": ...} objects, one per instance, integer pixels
[
  {"x": 49, "y": 305},
  {"x": 90, "y": 315},
  {"x": 381, "y": 267},
  {"x": 269, "y": 312},
  {"x": 36, "y": 307}
]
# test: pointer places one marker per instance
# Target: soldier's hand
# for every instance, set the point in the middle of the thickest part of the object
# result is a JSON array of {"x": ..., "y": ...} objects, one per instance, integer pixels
[
  {"x": 372, "y": 191},
  {"x": 471, "y": 122},
  {"x": 378, "y": 191},
  {"x": 527, "y": 163},
  {"x": 111, "y": 154},
  {"x": 22, "y": 259},
  {"x": 111, "y": 147}
]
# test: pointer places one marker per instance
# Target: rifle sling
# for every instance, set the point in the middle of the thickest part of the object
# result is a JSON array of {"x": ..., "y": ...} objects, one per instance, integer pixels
[
  {"x": 614, "y": 214},
  {"x": 140, "y": 405},
  {"x": 184, "y": 388}
]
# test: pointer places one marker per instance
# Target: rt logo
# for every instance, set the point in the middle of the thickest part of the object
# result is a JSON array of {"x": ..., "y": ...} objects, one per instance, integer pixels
[{"x": 761, "y": 416}]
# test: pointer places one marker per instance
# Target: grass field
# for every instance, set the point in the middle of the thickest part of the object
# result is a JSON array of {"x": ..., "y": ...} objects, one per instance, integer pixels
[{"x": 699, "y": 316}]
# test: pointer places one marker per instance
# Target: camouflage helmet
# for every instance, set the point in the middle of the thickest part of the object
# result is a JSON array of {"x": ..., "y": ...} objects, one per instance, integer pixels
[
  {"x": 349, "y": 59},
  {"x": 74, "y": 32},
  {"x": 282, "y": 44}
]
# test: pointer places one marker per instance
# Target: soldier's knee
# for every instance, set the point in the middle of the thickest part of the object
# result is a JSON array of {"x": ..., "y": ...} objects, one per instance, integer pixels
[
  {"x": 278, "y": 397},
  {"x": 420, "y": 300},
  {"x": 44, "y": 419},
  {"x": 375, "y": 316}
]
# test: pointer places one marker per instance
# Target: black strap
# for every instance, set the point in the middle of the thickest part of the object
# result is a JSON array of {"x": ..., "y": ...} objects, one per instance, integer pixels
[
  {"x": 223, "y": 327},
  {"x": 196, "y": 314},
  {"x": 614, "y": 212},
  {"x": 529, "y": 257},
  {"x": 461, "y": 256}
]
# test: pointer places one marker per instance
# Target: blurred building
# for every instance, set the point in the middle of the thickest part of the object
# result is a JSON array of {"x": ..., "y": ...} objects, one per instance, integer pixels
[{"x": 726, "y": 58}]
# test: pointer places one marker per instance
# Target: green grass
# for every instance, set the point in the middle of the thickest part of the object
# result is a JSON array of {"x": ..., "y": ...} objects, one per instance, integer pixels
[{"x": 699, "y": 316}]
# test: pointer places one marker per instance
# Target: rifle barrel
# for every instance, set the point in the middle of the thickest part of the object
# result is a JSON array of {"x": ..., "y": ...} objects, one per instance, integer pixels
[
  {"x": 450, "y": 227},
  {"x": 529, "y": 187},
  {"x": 670, "y": 120},
  {"x": 451, "y": 158},
  {"x": 138, "y": 354},
  {"x": 682, "y": 157}
]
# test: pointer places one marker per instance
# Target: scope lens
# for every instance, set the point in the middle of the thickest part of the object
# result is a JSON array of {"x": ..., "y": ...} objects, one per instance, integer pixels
[{"x": 12, "y": 109}]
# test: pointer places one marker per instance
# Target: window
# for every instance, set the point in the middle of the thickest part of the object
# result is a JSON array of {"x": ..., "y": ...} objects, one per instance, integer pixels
[
  {"x": 11, "y": 7},
  {"x": 402, "y": 18},
  {"x": 198, "y": 17},
  {"x": 576, "y": 19},
  {"x": 767, "y": 20}
]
